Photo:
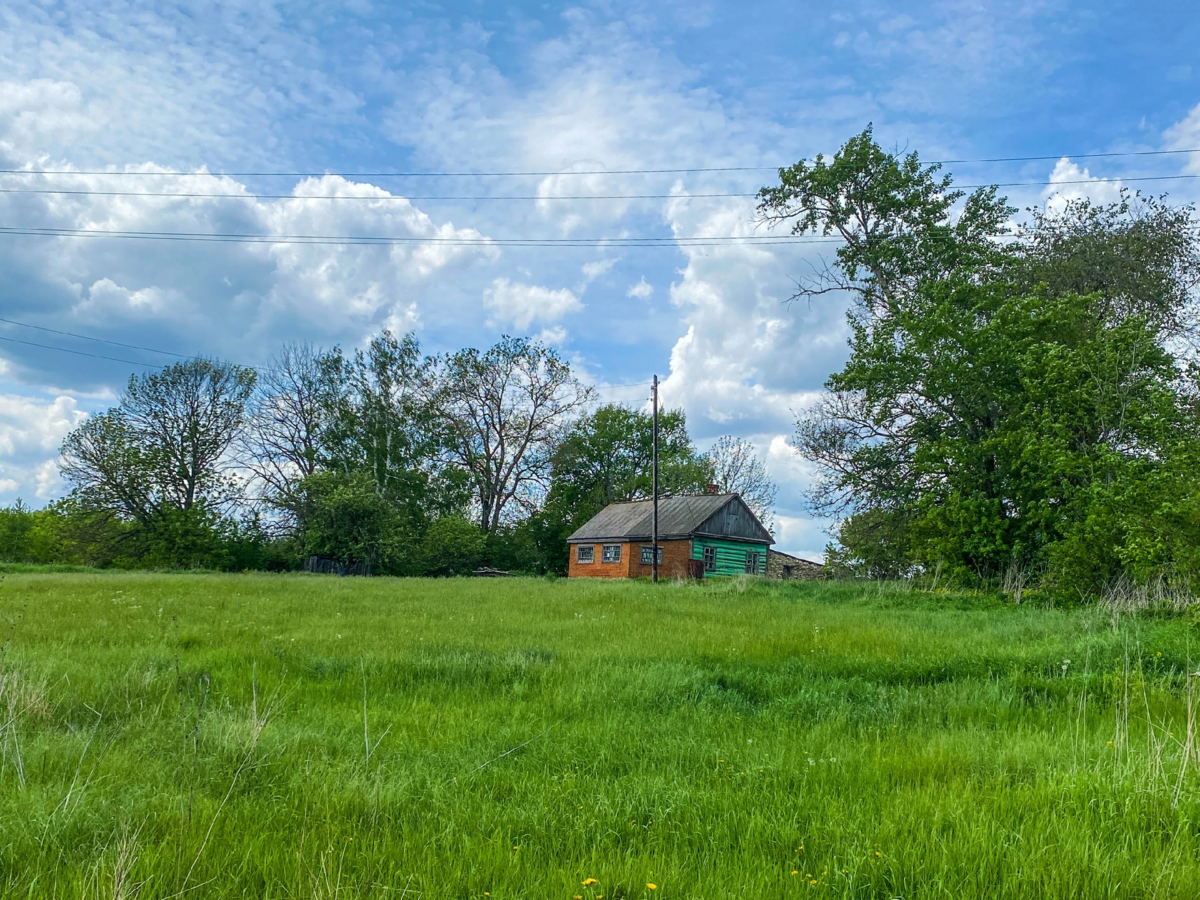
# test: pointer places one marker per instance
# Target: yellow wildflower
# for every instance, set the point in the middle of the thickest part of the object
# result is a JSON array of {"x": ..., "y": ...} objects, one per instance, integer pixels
[
  {"x": 653, "y": 887},
  {"x": 795, "y": 871},
  {"x": 588, "y": 882}
]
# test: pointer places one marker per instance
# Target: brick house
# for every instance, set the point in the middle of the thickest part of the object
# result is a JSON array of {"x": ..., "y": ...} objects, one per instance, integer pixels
[{"x": 700, "y": 535}]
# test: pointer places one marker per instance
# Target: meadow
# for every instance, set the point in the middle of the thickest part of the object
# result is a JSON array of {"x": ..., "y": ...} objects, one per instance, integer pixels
[{"x": 287, "y": 736}]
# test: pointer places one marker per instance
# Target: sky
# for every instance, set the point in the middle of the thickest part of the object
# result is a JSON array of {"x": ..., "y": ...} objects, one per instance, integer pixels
[{"x": 269, "y": 103}]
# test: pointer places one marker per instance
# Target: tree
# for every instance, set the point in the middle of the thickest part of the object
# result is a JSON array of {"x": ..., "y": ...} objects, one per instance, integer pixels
[
  {"x": 505, "y": 409},
  {"x": 387, "y": 423},
  {"x": 1005, "y": 403},
  {"x": 293, "y": 407},
  {"x": 737, "y": 468},
  {"x": 165, "y": 446}
]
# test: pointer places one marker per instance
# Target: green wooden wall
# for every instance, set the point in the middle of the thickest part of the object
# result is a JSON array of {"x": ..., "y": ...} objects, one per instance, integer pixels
[{"x": 731, "y": 555}]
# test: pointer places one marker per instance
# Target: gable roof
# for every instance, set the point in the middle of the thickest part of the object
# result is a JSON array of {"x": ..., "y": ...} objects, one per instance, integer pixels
[{"x": 718, "y": 515}]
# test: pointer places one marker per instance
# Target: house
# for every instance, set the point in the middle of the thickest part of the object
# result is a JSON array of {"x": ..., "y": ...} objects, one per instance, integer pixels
[{"x": 701, "y": 535}]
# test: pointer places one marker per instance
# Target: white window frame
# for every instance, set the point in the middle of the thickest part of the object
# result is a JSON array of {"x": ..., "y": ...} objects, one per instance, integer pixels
[
  {"x": 752, "y": 557},
  {"x": 647, "y": 556},
  {"x": 709, "y": 556},
  {"x": 585, "y": 550},
  {"x": 610, "y": 553}
]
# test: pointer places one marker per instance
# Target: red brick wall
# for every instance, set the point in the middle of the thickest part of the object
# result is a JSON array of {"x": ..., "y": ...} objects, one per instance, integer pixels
[
  {"x": 674, "y": 565},
  {"x": 674, "y": 562},
  {"x": 598, "y": 569}
]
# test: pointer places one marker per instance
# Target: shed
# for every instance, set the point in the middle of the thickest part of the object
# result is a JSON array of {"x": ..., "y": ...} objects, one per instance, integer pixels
[{"x": 706, "y": 534}]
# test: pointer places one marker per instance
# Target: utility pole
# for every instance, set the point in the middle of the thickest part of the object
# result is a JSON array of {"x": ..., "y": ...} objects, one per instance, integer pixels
[{"x": 654, "y": 542}]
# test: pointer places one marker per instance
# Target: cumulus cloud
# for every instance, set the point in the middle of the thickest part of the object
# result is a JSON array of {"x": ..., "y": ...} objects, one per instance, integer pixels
[
  {"x": 30, "y": 429},
  {"x": 1185, "y": 135},
  {"x": 748, "y": 357},
  {"x": 1070, "y": 182},
  {"x": 642, "y": 290},
  {"x": 522, "y": 304},
  {"x": 593, "y": 270}
]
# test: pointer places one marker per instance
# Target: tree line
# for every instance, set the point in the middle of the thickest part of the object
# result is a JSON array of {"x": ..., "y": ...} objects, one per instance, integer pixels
[
  {"x": 407, "y": 463},
  {"x": 1020, "y": 403}
]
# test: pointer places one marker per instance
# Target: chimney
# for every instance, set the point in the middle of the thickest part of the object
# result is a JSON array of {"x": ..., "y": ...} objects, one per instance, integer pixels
[{"x": 712, "y": 489}]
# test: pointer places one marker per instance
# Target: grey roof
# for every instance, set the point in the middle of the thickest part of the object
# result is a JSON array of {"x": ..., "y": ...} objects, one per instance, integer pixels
[{"x": 677, "y": 517}]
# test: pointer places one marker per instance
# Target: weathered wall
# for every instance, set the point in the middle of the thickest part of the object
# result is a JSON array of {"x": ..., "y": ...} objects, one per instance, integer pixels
[
  {"x": 674, "y": 562},
  {"x": 598, "y": 569},
  {"x": 731, "y": 555},
  {"x": 674, "y": 565},
  {"x": 786, "y": 567}
]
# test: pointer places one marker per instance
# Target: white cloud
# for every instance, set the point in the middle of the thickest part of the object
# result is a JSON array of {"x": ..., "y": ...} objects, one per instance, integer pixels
[
  {"x": 1070, "y": 182},
  {"x": 1185, "y": 135},
  {"x": 555, "y": 336},
  {"x": 593, "y": 270},
  {"x": 29, "y": 431},
  {"x": 748, "y": 358},
  {"x": 642, "y": 290},
  {"x": 522, "y": 304}
]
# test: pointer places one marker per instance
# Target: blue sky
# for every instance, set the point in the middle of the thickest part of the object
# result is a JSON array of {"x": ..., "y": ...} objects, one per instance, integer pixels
[{"x": 470, "y": 87}]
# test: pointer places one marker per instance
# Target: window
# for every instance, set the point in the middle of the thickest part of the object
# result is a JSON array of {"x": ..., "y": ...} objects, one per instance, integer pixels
[
  {"x": 648, "y": 555},
  {"x": 710, "y": 559},
  {"x": 751, "y": 562},
  {"x": 612, "y": 553},
  {"x": 585, "y": 553}
]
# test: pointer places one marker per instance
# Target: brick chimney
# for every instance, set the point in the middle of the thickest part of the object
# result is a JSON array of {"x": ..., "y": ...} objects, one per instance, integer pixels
[{"x": 712, "y": 489}]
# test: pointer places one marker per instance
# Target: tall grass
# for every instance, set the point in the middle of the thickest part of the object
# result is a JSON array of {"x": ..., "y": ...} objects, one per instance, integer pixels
[{"x": 290, "y": 736}]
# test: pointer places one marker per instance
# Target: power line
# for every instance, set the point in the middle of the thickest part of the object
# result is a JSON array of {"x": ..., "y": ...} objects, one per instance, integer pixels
[
  {"x": 390, "y": 197},
  {"x": 527, "y": 197},
  {"x": 664, "y": 241},
  {"x": 79, "y": 352},
  {"x": 98, "y": 340},
  {"x": 547, "y": 174}
]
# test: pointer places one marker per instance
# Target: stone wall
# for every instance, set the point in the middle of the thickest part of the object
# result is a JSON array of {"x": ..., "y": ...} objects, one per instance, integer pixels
[{"x": 786, "y": 567}]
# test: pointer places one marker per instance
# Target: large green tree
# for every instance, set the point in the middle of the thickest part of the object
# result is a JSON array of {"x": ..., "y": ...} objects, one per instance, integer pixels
[
  {"x": 160, "y": 461},
  {"x": 1015, "y": 399}
]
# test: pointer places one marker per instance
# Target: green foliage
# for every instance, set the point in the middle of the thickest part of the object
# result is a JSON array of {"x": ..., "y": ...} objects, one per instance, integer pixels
[
  {"x": 453, "y": 546},
  {"x": 353, "y": 521},
  {"x": 1009, "y": 407},
  {"x": 299, "y": 736},
  {"x": 872, "y": 544}
]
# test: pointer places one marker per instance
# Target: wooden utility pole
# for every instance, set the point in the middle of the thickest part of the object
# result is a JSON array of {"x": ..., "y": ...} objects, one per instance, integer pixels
[{"x": 654, "y": 541}]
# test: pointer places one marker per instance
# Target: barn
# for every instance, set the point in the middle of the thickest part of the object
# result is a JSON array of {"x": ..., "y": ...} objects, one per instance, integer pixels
[{"x": 700, "y": 535}]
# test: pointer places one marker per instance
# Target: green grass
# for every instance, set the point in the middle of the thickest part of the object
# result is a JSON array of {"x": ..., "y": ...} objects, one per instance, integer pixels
[{"x": 203, "y": 736}]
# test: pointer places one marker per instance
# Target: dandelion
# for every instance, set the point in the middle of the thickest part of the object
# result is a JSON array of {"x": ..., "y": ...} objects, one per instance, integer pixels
[
  {"x": 652, "y": 886},
  {"x": 795, "y": 871},
  {"x": 877, "y": 853},
  {"x": 588, "y": 882}
]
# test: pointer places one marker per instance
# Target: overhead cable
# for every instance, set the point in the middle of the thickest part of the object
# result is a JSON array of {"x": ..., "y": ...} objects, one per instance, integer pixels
[
  {"x": 540, "y": 197},
  {"x": 548, "y": 174}
]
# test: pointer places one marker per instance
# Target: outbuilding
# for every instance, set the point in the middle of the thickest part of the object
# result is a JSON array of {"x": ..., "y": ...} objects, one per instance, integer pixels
[{"x": 698, "y": 536}]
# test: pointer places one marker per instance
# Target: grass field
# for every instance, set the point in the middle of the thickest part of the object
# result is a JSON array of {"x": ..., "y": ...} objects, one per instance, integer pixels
[{"x": 288, "y": 736}]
